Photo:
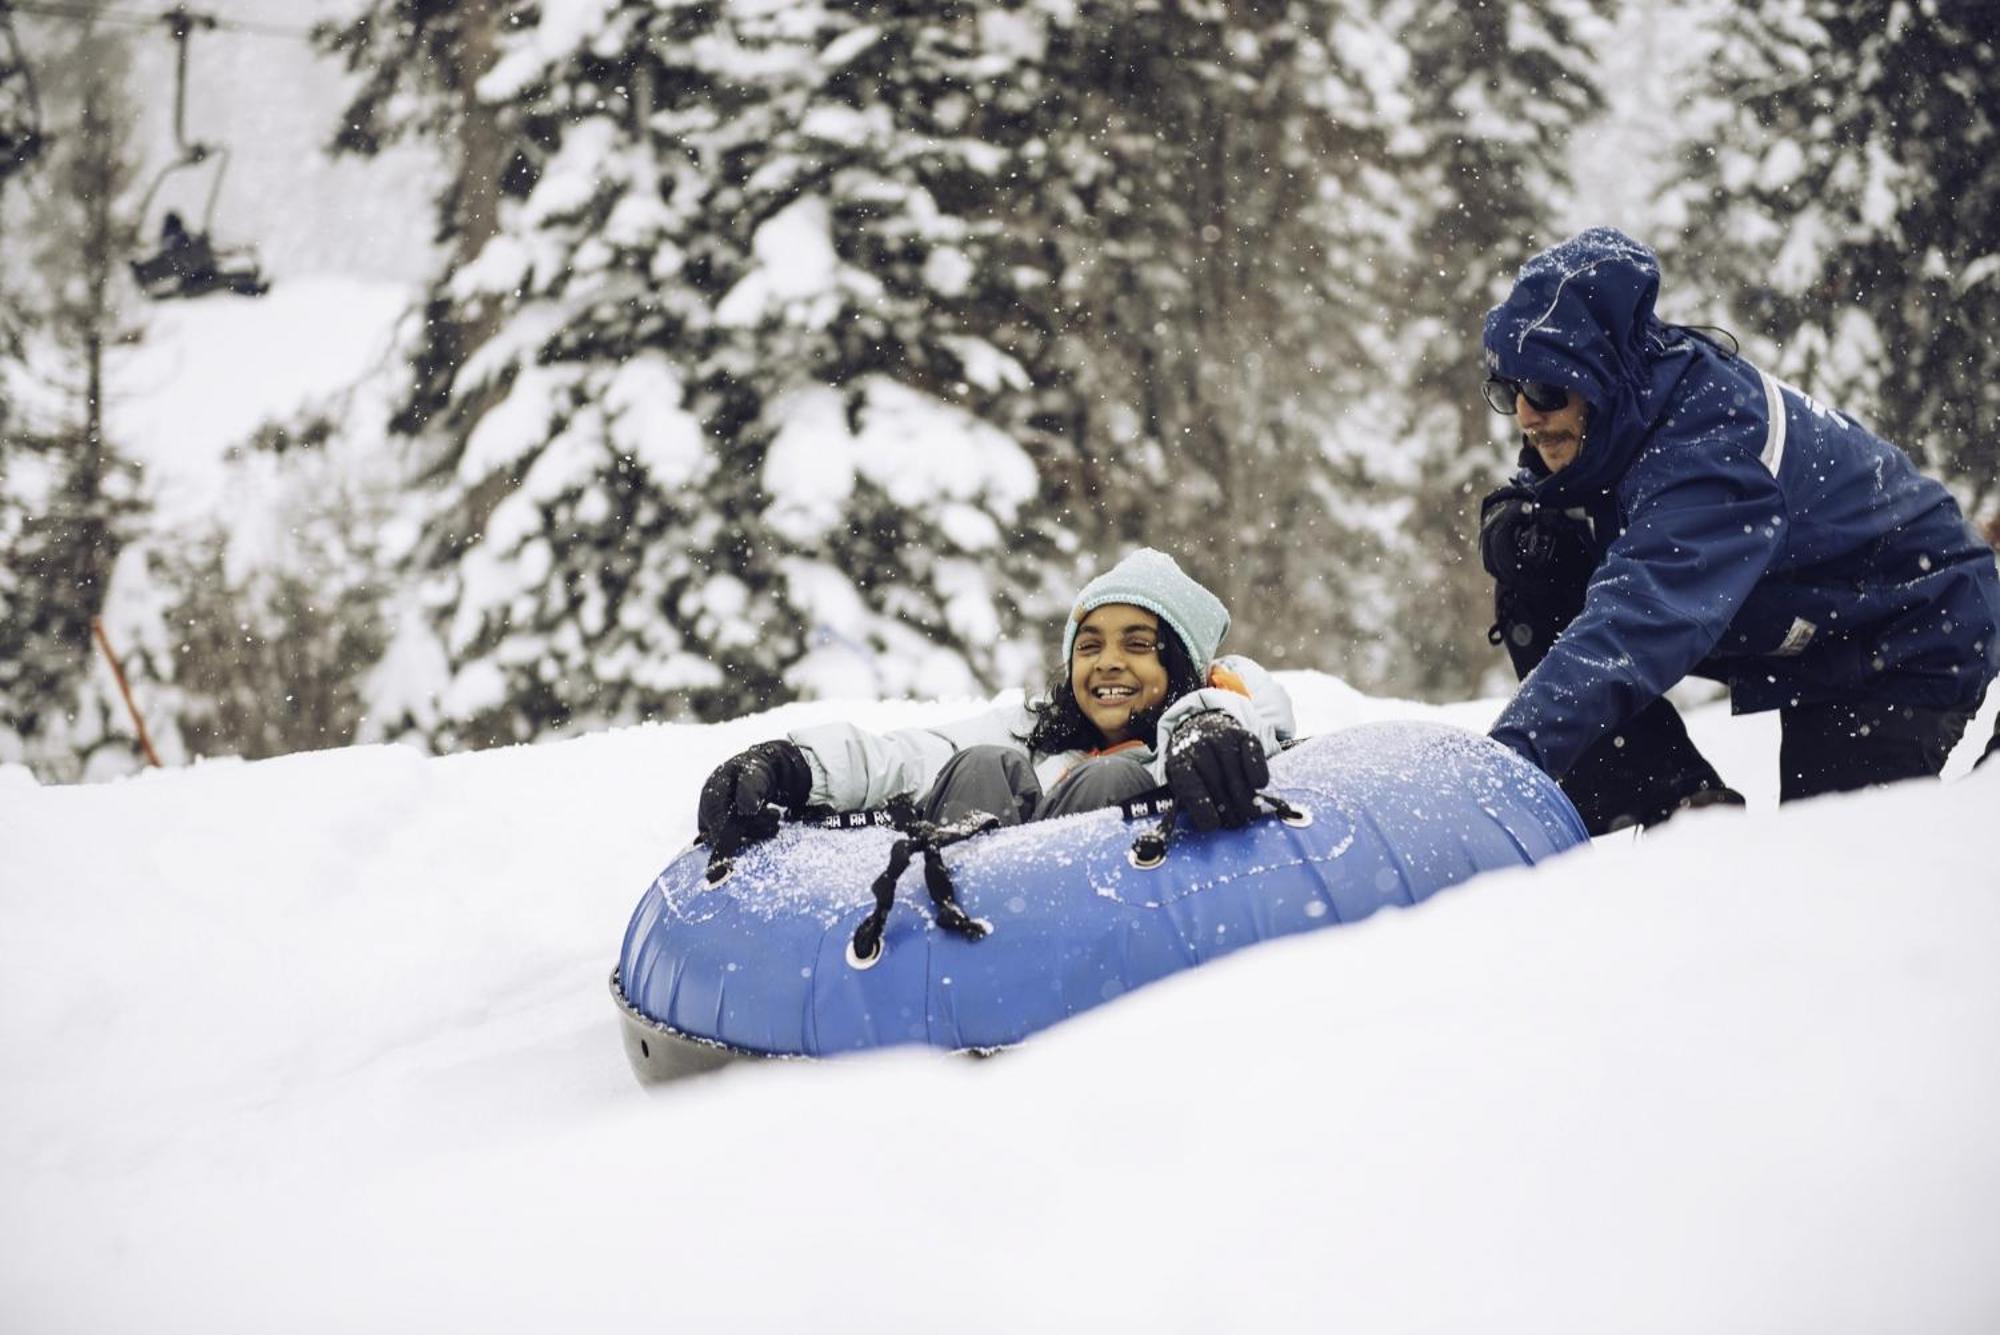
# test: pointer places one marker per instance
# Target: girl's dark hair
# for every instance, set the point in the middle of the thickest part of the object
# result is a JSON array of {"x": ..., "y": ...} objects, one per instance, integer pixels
[{"x": 1060, "y": 724}]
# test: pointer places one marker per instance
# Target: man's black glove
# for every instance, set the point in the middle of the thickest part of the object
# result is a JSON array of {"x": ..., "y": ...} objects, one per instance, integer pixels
[
  {"x": 1521, "y": 540},
  {"x": 736, "y": 800},
  {"x": 1504, "y": 516},
  {"x": 1215, "y": 767}
]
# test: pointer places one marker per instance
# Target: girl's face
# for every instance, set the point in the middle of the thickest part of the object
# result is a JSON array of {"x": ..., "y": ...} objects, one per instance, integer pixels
[{"x": 1115, "y": 670}]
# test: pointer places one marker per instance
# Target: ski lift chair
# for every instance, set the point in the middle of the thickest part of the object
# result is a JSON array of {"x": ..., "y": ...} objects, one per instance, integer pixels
[{"x": 188, "y": 263}]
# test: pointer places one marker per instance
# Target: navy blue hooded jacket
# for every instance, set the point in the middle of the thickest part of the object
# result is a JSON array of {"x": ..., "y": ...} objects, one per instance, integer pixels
[{"x": 1747, "y": 533}]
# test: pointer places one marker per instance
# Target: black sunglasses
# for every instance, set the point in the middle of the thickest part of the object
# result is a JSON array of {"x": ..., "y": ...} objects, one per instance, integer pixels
[{"x": 1500, "y": 393}]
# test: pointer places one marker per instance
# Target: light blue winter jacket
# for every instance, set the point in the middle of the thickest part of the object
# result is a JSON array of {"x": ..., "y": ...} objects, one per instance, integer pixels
[{"x": 854, "y": 770}]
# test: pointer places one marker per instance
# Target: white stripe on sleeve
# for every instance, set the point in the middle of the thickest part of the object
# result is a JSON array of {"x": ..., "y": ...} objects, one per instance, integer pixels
[{"x": 1774, "y": 435}]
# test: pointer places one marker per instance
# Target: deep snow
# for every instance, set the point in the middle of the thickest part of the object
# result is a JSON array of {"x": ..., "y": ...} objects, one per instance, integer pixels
[{"x": 323, "y": 1043}]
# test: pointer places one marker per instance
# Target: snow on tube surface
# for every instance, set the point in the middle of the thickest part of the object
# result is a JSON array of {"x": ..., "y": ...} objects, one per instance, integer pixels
[{"x": 759, "y": 963}]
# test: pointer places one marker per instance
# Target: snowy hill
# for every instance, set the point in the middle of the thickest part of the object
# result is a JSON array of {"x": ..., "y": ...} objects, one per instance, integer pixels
[{"x": 323, "y": 1043}]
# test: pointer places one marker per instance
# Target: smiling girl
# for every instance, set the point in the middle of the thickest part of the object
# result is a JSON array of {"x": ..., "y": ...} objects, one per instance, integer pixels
[{"x": 1139, "y": 698}]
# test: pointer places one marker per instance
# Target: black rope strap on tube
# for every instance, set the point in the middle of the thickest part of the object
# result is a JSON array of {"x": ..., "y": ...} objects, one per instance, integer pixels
[
  {"x": 1282, "y": 809},
  {"x": 739, "y": 832},
  {"x": 1152, "y": 803},
  {"x": 868, "y": 936},
  {"x": 736, "y": 834},
  {"x": 1157, "y": 805},
  {"x": 1150, "y": 848},
  {"x": 929, "y": 839},
  {"x": 951, "y": 915}
]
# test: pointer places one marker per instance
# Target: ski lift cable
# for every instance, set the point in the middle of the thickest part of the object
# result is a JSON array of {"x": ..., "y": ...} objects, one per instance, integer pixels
[
  {"x": 182, "y": 25},
  {"x": 80, "y": 13}
]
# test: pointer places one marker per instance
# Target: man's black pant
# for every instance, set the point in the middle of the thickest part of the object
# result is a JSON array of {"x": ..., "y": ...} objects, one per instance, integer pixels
[
  {"x": 1645, "y": 770},
  {"x": 1836, "y": 748}
]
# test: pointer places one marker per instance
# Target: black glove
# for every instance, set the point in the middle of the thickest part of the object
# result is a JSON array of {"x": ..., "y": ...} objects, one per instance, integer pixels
[
  {"x": 1215, "y": 767},
  {"x": 736, "y": 800},
  {"x": 1520, "y": 540},
  {"x": 1503, "y": 513}
]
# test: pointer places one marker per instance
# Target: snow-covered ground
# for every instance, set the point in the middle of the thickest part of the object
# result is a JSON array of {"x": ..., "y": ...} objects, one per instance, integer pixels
[{"x": 323, "y": 1043}]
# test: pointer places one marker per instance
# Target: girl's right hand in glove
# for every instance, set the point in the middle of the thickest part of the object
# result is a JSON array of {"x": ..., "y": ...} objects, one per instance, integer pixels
[{"x": 737, "y": 799}]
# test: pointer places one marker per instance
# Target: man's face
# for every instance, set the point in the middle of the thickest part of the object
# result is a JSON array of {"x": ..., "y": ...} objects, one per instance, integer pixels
[{"x": 1557, "y": 435}]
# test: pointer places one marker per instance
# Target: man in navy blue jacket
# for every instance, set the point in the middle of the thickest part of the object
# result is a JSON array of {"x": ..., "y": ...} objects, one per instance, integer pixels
[{"x": 1680, "y": 512}]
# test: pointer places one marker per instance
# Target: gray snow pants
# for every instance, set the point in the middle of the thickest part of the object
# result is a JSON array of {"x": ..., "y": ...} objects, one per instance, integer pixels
[{"x": 999, "y": 780}]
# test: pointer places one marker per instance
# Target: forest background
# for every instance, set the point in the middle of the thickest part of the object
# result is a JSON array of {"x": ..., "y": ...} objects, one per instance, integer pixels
[{"x": 646, "y": 359}]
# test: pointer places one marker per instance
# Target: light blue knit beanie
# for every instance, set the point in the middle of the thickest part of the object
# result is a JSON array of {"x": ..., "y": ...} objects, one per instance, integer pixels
[{"x": 1152, "y": 580}]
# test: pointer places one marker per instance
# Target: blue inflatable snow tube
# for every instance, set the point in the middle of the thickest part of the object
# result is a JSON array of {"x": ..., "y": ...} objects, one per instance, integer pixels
[{"x": 759, "y": 964}]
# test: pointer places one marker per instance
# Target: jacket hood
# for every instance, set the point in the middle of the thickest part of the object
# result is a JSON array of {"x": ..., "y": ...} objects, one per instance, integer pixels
[{"x": 1581, "y": 316}]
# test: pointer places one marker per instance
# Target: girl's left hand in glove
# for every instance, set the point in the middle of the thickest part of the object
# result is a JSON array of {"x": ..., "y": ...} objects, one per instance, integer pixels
[{"x": 1214, "y": 768}]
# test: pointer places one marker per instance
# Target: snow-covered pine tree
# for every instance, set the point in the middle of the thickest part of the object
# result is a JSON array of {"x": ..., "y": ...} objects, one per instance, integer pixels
[
  {"x": 1490, "y": 97},
  {"x": 273, "y": 623},
  {"x": 748, "y": 420},
  {"x": 73, "y": 498},
  {"x": 1209, "y": 194},
  {"x": 897, "y": 439},
  {"x": 418, "y": 65},
  {"x": 1843, "y": 203}
]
